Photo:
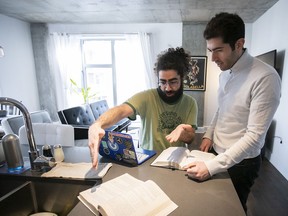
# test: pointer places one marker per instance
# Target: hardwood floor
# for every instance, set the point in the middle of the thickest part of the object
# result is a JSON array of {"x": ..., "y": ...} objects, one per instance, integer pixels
[{"x": 269, "y": 194}]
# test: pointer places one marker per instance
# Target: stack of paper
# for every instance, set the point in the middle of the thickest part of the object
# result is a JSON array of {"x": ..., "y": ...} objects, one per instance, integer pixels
[{"x": 78, "y": 170}]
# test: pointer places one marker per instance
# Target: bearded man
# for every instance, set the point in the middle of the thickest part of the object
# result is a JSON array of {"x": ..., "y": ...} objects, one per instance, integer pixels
[{"x": 168, "y": 116}]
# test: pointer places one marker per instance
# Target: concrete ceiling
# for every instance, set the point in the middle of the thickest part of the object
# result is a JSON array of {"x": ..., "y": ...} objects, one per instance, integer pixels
[{"x": 130, "y": 11}]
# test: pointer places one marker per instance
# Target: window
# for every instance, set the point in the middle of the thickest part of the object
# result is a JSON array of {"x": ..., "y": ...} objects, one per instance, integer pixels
[{"x": 113, "y": 67}]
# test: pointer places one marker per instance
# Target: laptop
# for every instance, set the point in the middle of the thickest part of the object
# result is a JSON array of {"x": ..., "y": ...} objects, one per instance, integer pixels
[{"x": 120, "y": 147}]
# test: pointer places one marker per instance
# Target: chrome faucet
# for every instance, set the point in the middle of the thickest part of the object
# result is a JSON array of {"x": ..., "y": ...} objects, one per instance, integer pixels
[{"x": 33, "y": 152}]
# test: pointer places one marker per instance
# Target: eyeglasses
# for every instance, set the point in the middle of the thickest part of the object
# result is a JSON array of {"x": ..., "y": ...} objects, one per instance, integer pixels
[{"x": 172, "y": 83}]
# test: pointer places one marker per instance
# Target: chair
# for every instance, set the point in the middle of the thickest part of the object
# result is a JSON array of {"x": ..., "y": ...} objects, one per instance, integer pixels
[{"x": 101, "y": 106}]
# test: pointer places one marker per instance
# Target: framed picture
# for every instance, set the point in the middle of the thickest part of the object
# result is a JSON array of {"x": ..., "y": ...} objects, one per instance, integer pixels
[{"x": 195, "y": 80}]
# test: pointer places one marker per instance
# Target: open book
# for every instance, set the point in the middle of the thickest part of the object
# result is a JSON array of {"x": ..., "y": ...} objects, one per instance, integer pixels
[
  {"x": 178, "y": 157},
  {"x": 126, "y": 195}
]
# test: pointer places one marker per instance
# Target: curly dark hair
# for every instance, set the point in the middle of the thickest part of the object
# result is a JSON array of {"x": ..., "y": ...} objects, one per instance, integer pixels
[
  {"x": 229, "y": 27},
  {"x": 174, "y": 59}
]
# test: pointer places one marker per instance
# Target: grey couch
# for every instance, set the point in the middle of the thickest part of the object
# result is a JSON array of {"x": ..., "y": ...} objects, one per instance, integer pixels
[
  {"x": 13, "y": 124},
  {"x": 44, "y": 129}
]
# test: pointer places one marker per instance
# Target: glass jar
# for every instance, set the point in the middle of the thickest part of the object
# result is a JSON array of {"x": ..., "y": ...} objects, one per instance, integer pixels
[{"x": 58, "y": 153}]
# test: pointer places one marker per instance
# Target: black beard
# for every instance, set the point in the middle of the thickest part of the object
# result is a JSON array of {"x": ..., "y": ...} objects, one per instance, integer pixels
[{"x": 173, "y": 99}]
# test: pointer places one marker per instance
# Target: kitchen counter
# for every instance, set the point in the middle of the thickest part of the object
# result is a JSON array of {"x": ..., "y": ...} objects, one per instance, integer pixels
[
  {"x": 72, "y": 154},
  {"x": 216, "y": 196}
]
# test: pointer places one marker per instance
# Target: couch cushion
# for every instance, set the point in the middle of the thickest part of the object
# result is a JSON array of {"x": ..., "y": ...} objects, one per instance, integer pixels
[
  {"x": 13, "y": 124},
  {"x": 99, "y": 107},
  {"x": 79, "y": 115},
  {"x": 47, "y": 133}
]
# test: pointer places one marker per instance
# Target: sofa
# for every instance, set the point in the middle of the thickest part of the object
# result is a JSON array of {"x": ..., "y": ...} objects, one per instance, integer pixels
[
  {"x": 44, "y": 129},
  {"x": 81, "y": 117},
  {"x": 11, "y": 125}
]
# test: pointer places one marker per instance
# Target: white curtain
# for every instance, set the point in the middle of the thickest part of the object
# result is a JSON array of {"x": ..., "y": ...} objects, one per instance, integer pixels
[
  {"x": 65, "y": 63},
  {"x": 133, "y": 66},
  {"x": 145, "y": 42}
]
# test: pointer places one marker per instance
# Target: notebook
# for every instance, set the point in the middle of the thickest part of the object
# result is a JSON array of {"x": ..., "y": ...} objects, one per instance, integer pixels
[{"x": 120, "y": 147}]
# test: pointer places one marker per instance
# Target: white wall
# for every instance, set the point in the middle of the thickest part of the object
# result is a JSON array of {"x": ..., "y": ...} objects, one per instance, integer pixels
[
  {"x": 164, "y": 35},
  {"x": 17, "y": 69},
  {"x": 270, "y": 32}
]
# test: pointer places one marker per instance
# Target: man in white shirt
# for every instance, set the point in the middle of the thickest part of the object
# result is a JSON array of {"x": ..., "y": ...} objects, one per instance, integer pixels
[{"x": 248, "y": 97}]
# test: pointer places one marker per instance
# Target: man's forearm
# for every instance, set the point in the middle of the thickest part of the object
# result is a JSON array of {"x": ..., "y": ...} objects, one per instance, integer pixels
[
  {"x": 107, "y": 119},
  {"x": 113, "y": 115}
]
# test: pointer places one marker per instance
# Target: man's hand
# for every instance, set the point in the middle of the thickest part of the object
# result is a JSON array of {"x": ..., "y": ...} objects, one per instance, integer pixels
[
  {"x": 175, "y": 134},
  {"x": 95, "y": 135},
  {"x": 206, "y": 145},
  {"x": 182, "y": 132},
  {"x": 197, "y": 170}
]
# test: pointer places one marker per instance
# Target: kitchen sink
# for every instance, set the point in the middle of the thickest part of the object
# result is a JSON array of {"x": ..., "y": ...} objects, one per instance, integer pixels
[
  {"x": 29, "y": 197},
  {"x": 7, "y": 185}
]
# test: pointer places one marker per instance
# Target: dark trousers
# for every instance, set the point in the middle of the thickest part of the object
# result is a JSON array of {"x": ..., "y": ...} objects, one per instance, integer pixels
[{"x": 243, "y": 175}]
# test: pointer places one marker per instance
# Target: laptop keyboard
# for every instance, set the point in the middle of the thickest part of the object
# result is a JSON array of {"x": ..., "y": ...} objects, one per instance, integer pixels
[{"x": 141, "y": 156}]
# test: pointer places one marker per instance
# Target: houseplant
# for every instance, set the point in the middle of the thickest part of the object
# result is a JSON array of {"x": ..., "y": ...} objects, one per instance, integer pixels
[{"x": 84, "y": 92}]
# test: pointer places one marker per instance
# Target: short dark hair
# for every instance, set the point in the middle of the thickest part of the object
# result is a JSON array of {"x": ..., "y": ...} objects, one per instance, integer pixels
[
  {"x": 229, "y": 27},
  {"x": 173, "y": 59}
]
